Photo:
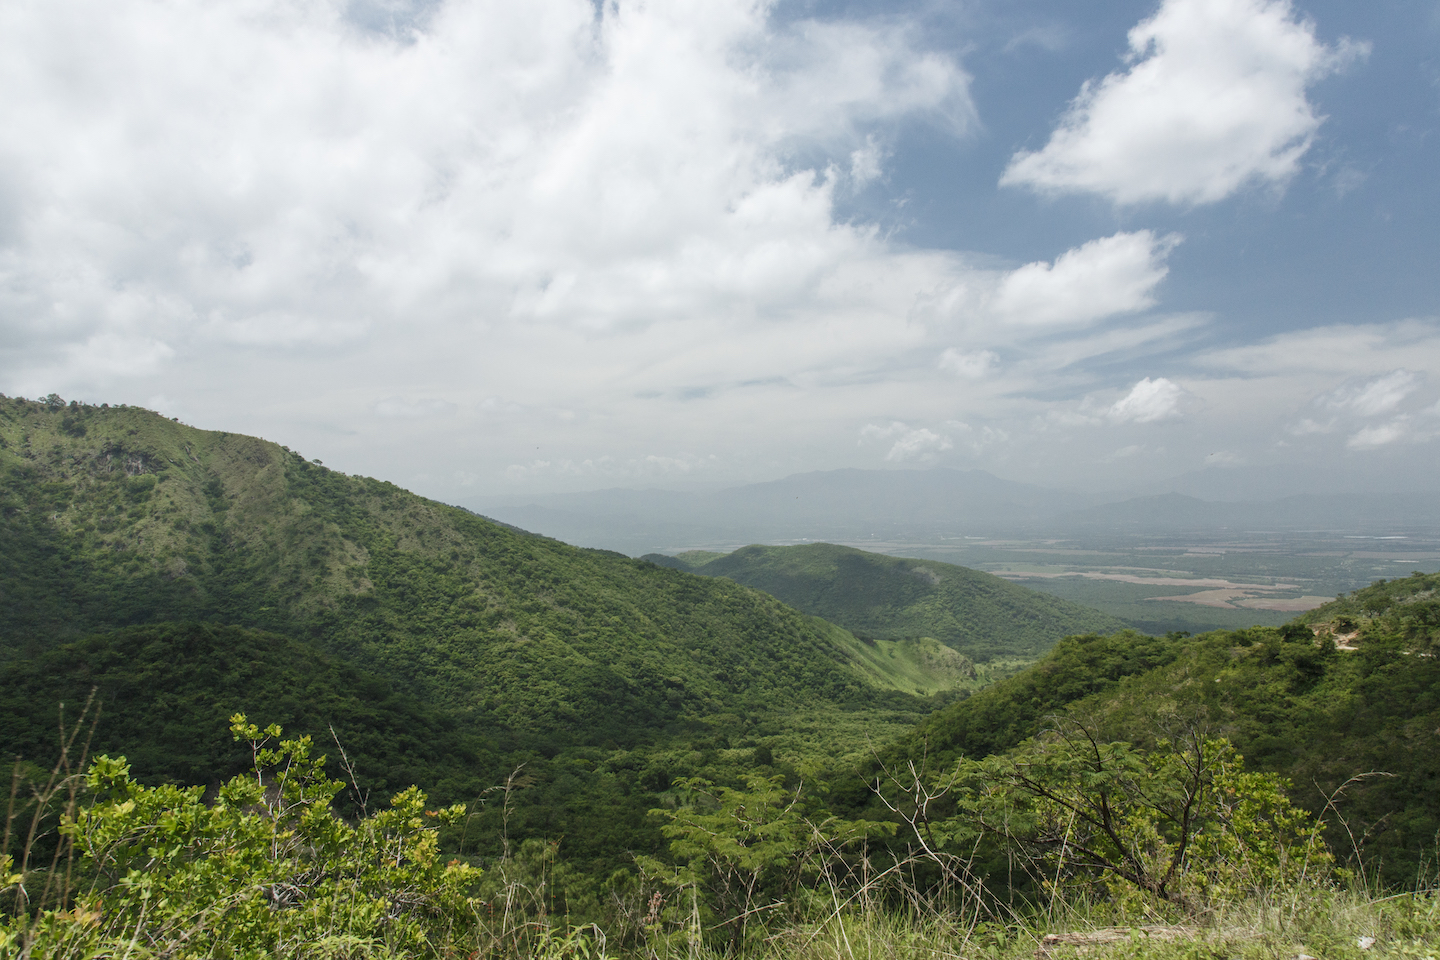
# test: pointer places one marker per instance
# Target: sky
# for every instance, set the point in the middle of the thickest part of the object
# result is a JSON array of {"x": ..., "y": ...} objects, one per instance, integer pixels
[{"x": 482, "y": 248}]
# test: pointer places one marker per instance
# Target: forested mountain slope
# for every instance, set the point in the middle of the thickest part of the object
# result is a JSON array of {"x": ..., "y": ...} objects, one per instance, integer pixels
[
  {"x": 116, "y": 516},
  {"x": 160, "y": 695},
  {"x": 884, "y": 597},
  {"x": 1289, "y": 698}
]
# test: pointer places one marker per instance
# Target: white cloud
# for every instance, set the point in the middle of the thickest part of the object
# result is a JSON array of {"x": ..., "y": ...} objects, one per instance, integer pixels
[
  {"x": 911, "y": 443},
  {"x": 918, "y": 444},
  {"x": 970, "y": 365},
  {"x": 1308, "y": 426},
  {"x": 279, "y": 328},
  {"x": 1124, "y": 453},
  {"x": 1375, "y": 397},
  {"x": 1128, "y": 342},
  {"x": 1214, "y": 99},
  {"x": 866, "y": 162},
  {"x": 604, "y": 240},
  {"x": 297, "y": 182},
  {"x": 1102, "y": 278},
  {"x": 1355, "y": 387},
  {"x": 1148, "y": 401},
  {"x": 1368, "y": 438},
  {"x": 1334, "y": 352}
]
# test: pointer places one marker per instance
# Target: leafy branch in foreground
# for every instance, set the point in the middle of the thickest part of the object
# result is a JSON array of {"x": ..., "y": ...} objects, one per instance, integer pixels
[
  {"x": 1182, "y": 824},
  {"x": 265, "y": 869}
]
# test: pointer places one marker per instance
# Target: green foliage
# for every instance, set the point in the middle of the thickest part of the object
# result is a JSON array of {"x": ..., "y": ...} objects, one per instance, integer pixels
[
  {"x": 739, "y": 847},
  {"x": 160, "y": 687},
  {"x": 889, "y": 598},
  {"x": 1417, "y": 591},
  {"x": 747, "y": 850},
  {"x": 264, "y": 869},
  {"x": 143, "y": 520},
  {"x": 262, "y": 866},
  {"x": 1353, "y": 730},
  {"x": 1182, "y": 823},
  {"x": 1014, "y": 709}
]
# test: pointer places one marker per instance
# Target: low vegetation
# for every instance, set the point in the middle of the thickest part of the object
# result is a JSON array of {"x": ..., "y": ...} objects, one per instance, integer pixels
[{"x": 1176, "y": 851}]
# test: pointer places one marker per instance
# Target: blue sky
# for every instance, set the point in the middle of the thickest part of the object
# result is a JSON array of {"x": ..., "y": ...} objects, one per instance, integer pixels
[{"x": 483, "y": 248}]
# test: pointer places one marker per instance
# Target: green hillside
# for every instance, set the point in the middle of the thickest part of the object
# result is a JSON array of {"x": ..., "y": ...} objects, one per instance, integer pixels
[
  {"x": 117, "y": 516},
  {"x": 888, "y": 598},
  {"x": 162, "y": 690},
  {"x": 1412, "y": 600},
  {"x": 1288, "y": 698},
  {"x": 188, "y": 574},
  {"x": 688, "y": 763}
]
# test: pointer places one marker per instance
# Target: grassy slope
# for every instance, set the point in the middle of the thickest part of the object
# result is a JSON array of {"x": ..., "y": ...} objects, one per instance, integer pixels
[
  {"x": 116, "y": 516},
  {"x": 885, "y": 597}
]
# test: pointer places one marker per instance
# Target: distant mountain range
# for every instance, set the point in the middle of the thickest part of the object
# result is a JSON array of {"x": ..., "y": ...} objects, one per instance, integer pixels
[
  {"x": 829, "y": 505},
  {"x": 930, "y": 505}
]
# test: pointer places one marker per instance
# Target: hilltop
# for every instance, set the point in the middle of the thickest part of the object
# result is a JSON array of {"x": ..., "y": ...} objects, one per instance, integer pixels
[
  {"x": 892, "y": 598},
  {"x": 115, "y": 517}
]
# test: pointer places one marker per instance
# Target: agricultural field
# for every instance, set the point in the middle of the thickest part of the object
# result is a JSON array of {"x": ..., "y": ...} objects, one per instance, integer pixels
[{"x": 1194, "y": 583}]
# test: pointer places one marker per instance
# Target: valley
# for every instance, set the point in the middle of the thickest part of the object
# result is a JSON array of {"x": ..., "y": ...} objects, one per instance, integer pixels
[
  {"x": 1161, "y": 582},
  {"x": 702, "y": 749}
]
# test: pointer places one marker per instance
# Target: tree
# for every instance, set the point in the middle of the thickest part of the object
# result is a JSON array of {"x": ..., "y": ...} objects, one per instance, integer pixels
[
  {"x": 1182, "y": 824},
  {"x": 265, "y": 869},
  {"x": 746, "y": 849}
]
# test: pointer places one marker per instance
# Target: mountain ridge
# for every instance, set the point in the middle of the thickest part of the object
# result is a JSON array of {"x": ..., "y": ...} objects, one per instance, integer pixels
[
  {"x": 116, "y": 516},
  {"x": 885, "y": 597}
]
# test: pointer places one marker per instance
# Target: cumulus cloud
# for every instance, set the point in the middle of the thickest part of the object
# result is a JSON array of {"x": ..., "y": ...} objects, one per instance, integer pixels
[
  {"x": 911, "y": 443},
  {"x": 1356, "y": 387},
  {"x": 1214, "y": 99},
  {"x": 286, "y": 179},
  {"x": 866, "y": 163},
  {"x": 1112, "y": 275},
  {"x": 1148, "y": 401},
  {"x": 1353, "y": 403}
]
